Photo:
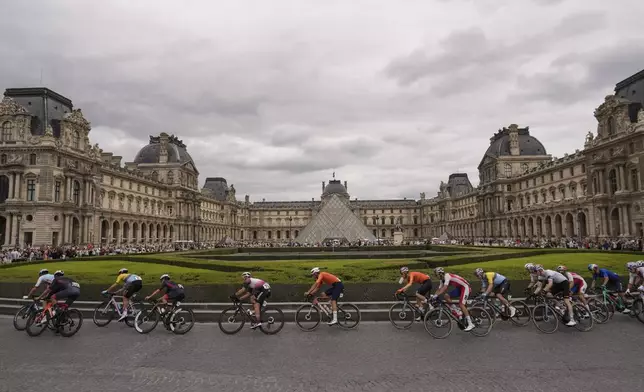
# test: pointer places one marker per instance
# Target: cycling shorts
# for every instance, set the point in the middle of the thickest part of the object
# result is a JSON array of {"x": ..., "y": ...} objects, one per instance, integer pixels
[
  {"x": 462, "y": 293},
  {"x": 615, "y": 285},
  {"x": 579, "y": 288},
  {"x": 71, "y": 294},
  {"x": 174, "y": 297},
  {"x": 502, "y": 288},
  {"x": 132, "y": 288},
  {"x": 425, "y": 287},
  {"x": 261, "y": 295},
  {"x": 335, "y": 290},
  {"x": 561, "y": 287}
]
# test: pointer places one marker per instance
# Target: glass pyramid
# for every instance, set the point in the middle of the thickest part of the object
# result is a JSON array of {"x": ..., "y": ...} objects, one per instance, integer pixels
[{"x": 335, "y": 220}]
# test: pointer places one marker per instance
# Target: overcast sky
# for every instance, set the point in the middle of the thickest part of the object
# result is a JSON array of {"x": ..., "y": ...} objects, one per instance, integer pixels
[{"x": 276, "y": 95}]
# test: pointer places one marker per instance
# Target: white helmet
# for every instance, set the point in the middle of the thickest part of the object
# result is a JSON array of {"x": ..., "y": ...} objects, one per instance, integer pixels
[
  {"x": 479, "y": 272},
  {"x": 43, "y": 272},
  {"x": 59, "y": 273},
  {"x": 164, "y": 276},
  {"x": 123, "y": 271},
  {"x": 639, "y": 263},
  {"x": 315, "y": 270},
  {"x": 404, "y": 269},
  {"x": 529, "y": 266},
  {"x": 246, "y": 275},
  {"x": 631, "y": 265},
  {"x": 439, "y": 271},
  {"x": 537, "y": 267}
]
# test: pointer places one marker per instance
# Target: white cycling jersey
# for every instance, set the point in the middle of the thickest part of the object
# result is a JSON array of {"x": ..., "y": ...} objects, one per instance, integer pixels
[
  {"x": 258, "y": 283},
  {"x": 47, "y": 278},
  {"x": 554, "y": 275},
  {"x": 639, "y": 272}
]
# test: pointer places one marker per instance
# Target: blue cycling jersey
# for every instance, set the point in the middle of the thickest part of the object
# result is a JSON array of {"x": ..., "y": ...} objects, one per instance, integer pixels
[{"x": 603, "y": 272}]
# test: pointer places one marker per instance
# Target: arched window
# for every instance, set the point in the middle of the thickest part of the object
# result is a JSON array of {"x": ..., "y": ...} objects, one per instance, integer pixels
[
  {"x": 508, "y": 170},
  {"x": 76, "y": 140},
  {"x": 6, "y": 131}
]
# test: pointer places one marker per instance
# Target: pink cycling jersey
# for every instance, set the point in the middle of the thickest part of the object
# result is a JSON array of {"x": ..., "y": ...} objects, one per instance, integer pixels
[{"x": 455, "y": 281}]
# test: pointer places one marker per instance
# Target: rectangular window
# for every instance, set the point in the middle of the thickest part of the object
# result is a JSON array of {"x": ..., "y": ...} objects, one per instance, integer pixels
[
  {"x": 57, "y": 192},
  {"x": 583, "y": 168},
  {"x": 552, "y": 176},
  {"x": 561, "y": 174},
  {"x": 31, "y": 190},
  {"x": 32, "y": 159},
  {"x": 534, "y": 182},
  {"x": 635, "y": 180},
  {"x": 572, "y": 171}
]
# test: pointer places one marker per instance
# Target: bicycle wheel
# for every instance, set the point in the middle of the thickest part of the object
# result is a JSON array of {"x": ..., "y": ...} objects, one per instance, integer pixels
[
  {"x": 583, "y": 318},
  {"x": 522, "y": 313},
  {"x": 104, "y": 313},
  {"x": 638, "y": 309},
  {"x": 545, "y": 318},
  {"x": 231, "y": 320},
  {"x": 21, "y": 317},
  {"x": 599, "y": 311},
  {"x": 486, "y": 305},
  {"x": 134, "y": 309},
  {"x": 348, "y": 316},
  {"x": 308, "y": 317},
  {"x": 70, "y": 322},
  {"x": 146, "y": 320},
  {"x": 438, "y": 323},
  {"x": 37, "y": 323},
  {"x": 181, "y": 321},
  {"x": 482, "y": 321},
  {"x": 272, "y": 320},
  {"x": 402, "y": 315}
]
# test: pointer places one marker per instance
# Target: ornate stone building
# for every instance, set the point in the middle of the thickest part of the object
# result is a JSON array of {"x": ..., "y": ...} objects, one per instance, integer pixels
[{"x": 527, "y": 194}]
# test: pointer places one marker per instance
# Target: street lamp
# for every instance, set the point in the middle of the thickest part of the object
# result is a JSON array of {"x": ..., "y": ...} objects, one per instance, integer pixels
[
  {"x": 18, "y": 231},
  {"x": 377, "y": 231},
  {"x": 290, "y": 220}
]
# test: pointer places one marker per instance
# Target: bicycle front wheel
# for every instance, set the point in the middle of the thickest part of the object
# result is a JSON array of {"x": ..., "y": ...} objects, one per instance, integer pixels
[
  {"x": 21, "y": 317},
  {"x": 482, "y": 321},
  {"x": 307, "y": 317},
  {"x": 104, "y": 313},
  {"x": 348, "y": 316},
  {"x": 599, "y": 310},
  {"x": 146, "y": 320},
  {"x": 545, "y": 318},
  {"x": 583, "y": 318},
  {"x": 231, "y": 320},
  {"x": 181, "y": 321},
  {"x": 522, "y": 313},
  {"x": 272, "y": 320},
  {"x": 134, "y": 309},
  {"x": 37, "y": 323},
  {"x": 438, "y": 323},
  {"x": 485, "y": 305},
  {"x": 70, "y": 322},
  {"x": 402, "y": 315},
  {"x": 638, "y": 309}
]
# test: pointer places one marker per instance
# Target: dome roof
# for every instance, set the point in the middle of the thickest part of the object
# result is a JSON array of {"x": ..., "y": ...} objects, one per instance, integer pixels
[
  {"x": 217, "y": 187},
  {"x": 335, "y": 187},
  {"x": 528, "y": 145},
  {"x": 176, "y": 150}
]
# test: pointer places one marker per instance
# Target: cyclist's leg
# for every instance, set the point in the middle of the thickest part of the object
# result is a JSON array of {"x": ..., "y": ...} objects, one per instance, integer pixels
[
  {"x": 421, "y": 294},
  {"x": 255, "y": 301}
]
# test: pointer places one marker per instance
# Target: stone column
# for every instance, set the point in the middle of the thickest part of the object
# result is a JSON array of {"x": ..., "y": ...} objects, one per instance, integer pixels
[
  {"x": 622, "y": 180},
  {"x": 11, "y": 187},
  {"x": 14, "y": 228},
  {"x": 18, "y": 186},
  {"x": 7, "y": 231},
  {"x": 604, "y": 220},
  {"x": 625, "y": 221}
]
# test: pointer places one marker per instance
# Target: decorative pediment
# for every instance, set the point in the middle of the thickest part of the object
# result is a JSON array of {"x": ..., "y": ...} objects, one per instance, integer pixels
[
  {"x": 76, "y": 117},
  {"x": 611, "y": 102},
  {"x": 9, "y": 107}
]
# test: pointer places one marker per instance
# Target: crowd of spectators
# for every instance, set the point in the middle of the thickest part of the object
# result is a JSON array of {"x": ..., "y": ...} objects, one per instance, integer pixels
[{"x": 570, "y": 243}]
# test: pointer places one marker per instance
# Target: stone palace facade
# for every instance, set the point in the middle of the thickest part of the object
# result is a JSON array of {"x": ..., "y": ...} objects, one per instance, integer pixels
[{"x": 57, "y": 188}]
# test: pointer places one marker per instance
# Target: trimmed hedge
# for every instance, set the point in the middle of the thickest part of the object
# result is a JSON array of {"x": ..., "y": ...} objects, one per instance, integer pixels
[{"x": 326, "y": 256}]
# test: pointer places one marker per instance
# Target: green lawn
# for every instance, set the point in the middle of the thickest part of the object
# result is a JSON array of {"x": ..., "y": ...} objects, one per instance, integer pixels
[{"x": 369, "y": 270}]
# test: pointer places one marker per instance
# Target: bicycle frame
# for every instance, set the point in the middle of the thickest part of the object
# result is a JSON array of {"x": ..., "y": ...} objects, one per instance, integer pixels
[
  {"x": 244, "y": 311},
  {"x": 406, "y": 299}
]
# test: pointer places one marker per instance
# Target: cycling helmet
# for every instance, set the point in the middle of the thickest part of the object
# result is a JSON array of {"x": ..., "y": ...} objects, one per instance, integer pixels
[
  {"x": 479, "y": 272},
  {"x": 59, "y": 273},
  {"x": 562, "y": 269},
  {"x": 631, "y": 265},
  {"x": 246, "y": 275},
  {"x": 538, "y": 267},
  {"x": 592, "y": 267},
  {"x": 315, "y": 270},
  {"x": 164, "y": 276},
  {"x": 122, "y": 271},
  {"x": 43, "y": 272},
  {"x": 404, "y": 269},
  {"x": 439, "y": 271},
  {"x": 639, "y": 263},
  {"x": 529, "y": 266}
]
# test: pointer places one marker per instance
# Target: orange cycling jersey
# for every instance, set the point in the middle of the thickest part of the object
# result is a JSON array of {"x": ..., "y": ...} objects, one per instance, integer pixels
[
  {"x": 417, "y": 277},
  {"x": 327, "y": 278}
]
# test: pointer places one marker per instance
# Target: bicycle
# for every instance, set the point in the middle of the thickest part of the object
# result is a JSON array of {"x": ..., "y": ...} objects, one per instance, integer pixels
[
  {"x": 612, "y": 301},
  {"x": 309, "y": 316},
  {"x": 598, "y": 309},
  {"x": 551, "y": 310},
  {"x": 406, "y": 311},
  {"x": 522, "y": 313},
  {"x": 105, "y": 312},
  {"x": 272, "y": 318},
  {"x": 57, "y": 318},
  {"x": 442, "y": 315},
  {"x": 173, "y": 319},
  {"x": 637, "y": 307}
]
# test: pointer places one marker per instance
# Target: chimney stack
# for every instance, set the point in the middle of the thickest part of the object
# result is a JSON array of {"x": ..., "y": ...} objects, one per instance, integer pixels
[
  {"x": 345, "y": 186},
  {"x": 322, "y": 186}
]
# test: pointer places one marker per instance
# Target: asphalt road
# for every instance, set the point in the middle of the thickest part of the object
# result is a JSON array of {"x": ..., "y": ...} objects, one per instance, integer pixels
[{"x": 375, "y": 357}]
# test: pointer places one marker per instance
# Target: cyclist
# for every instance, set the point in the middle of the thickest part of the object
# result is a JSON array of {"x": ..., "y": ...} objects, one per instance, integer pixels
[
  {"x": 334, "y": 291},
  {"x": 636, "y": 275},
  {"x": 173, "y": 292},
  {"x": 534, "y": 278},
  {"x": 492, "y": 282},
  {"x": 576, "y": 283},
  {"x": 460, "y": 288},
  {"x": 61, "y": 288},
  {"x": 425, "y": 287},
  {"x": 43, "y": 277},
  {"x": 611, "y": 281},
  {"x": 258, "y": 291},
  {"x": 556, "y": 283},
  {"x": 131, "y": 284}
]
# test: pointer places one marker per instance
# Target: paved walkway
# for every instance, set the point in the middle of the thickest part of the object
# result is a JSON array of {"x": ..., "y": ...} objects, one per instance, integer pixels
[{"x": 375, "y": 357}]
